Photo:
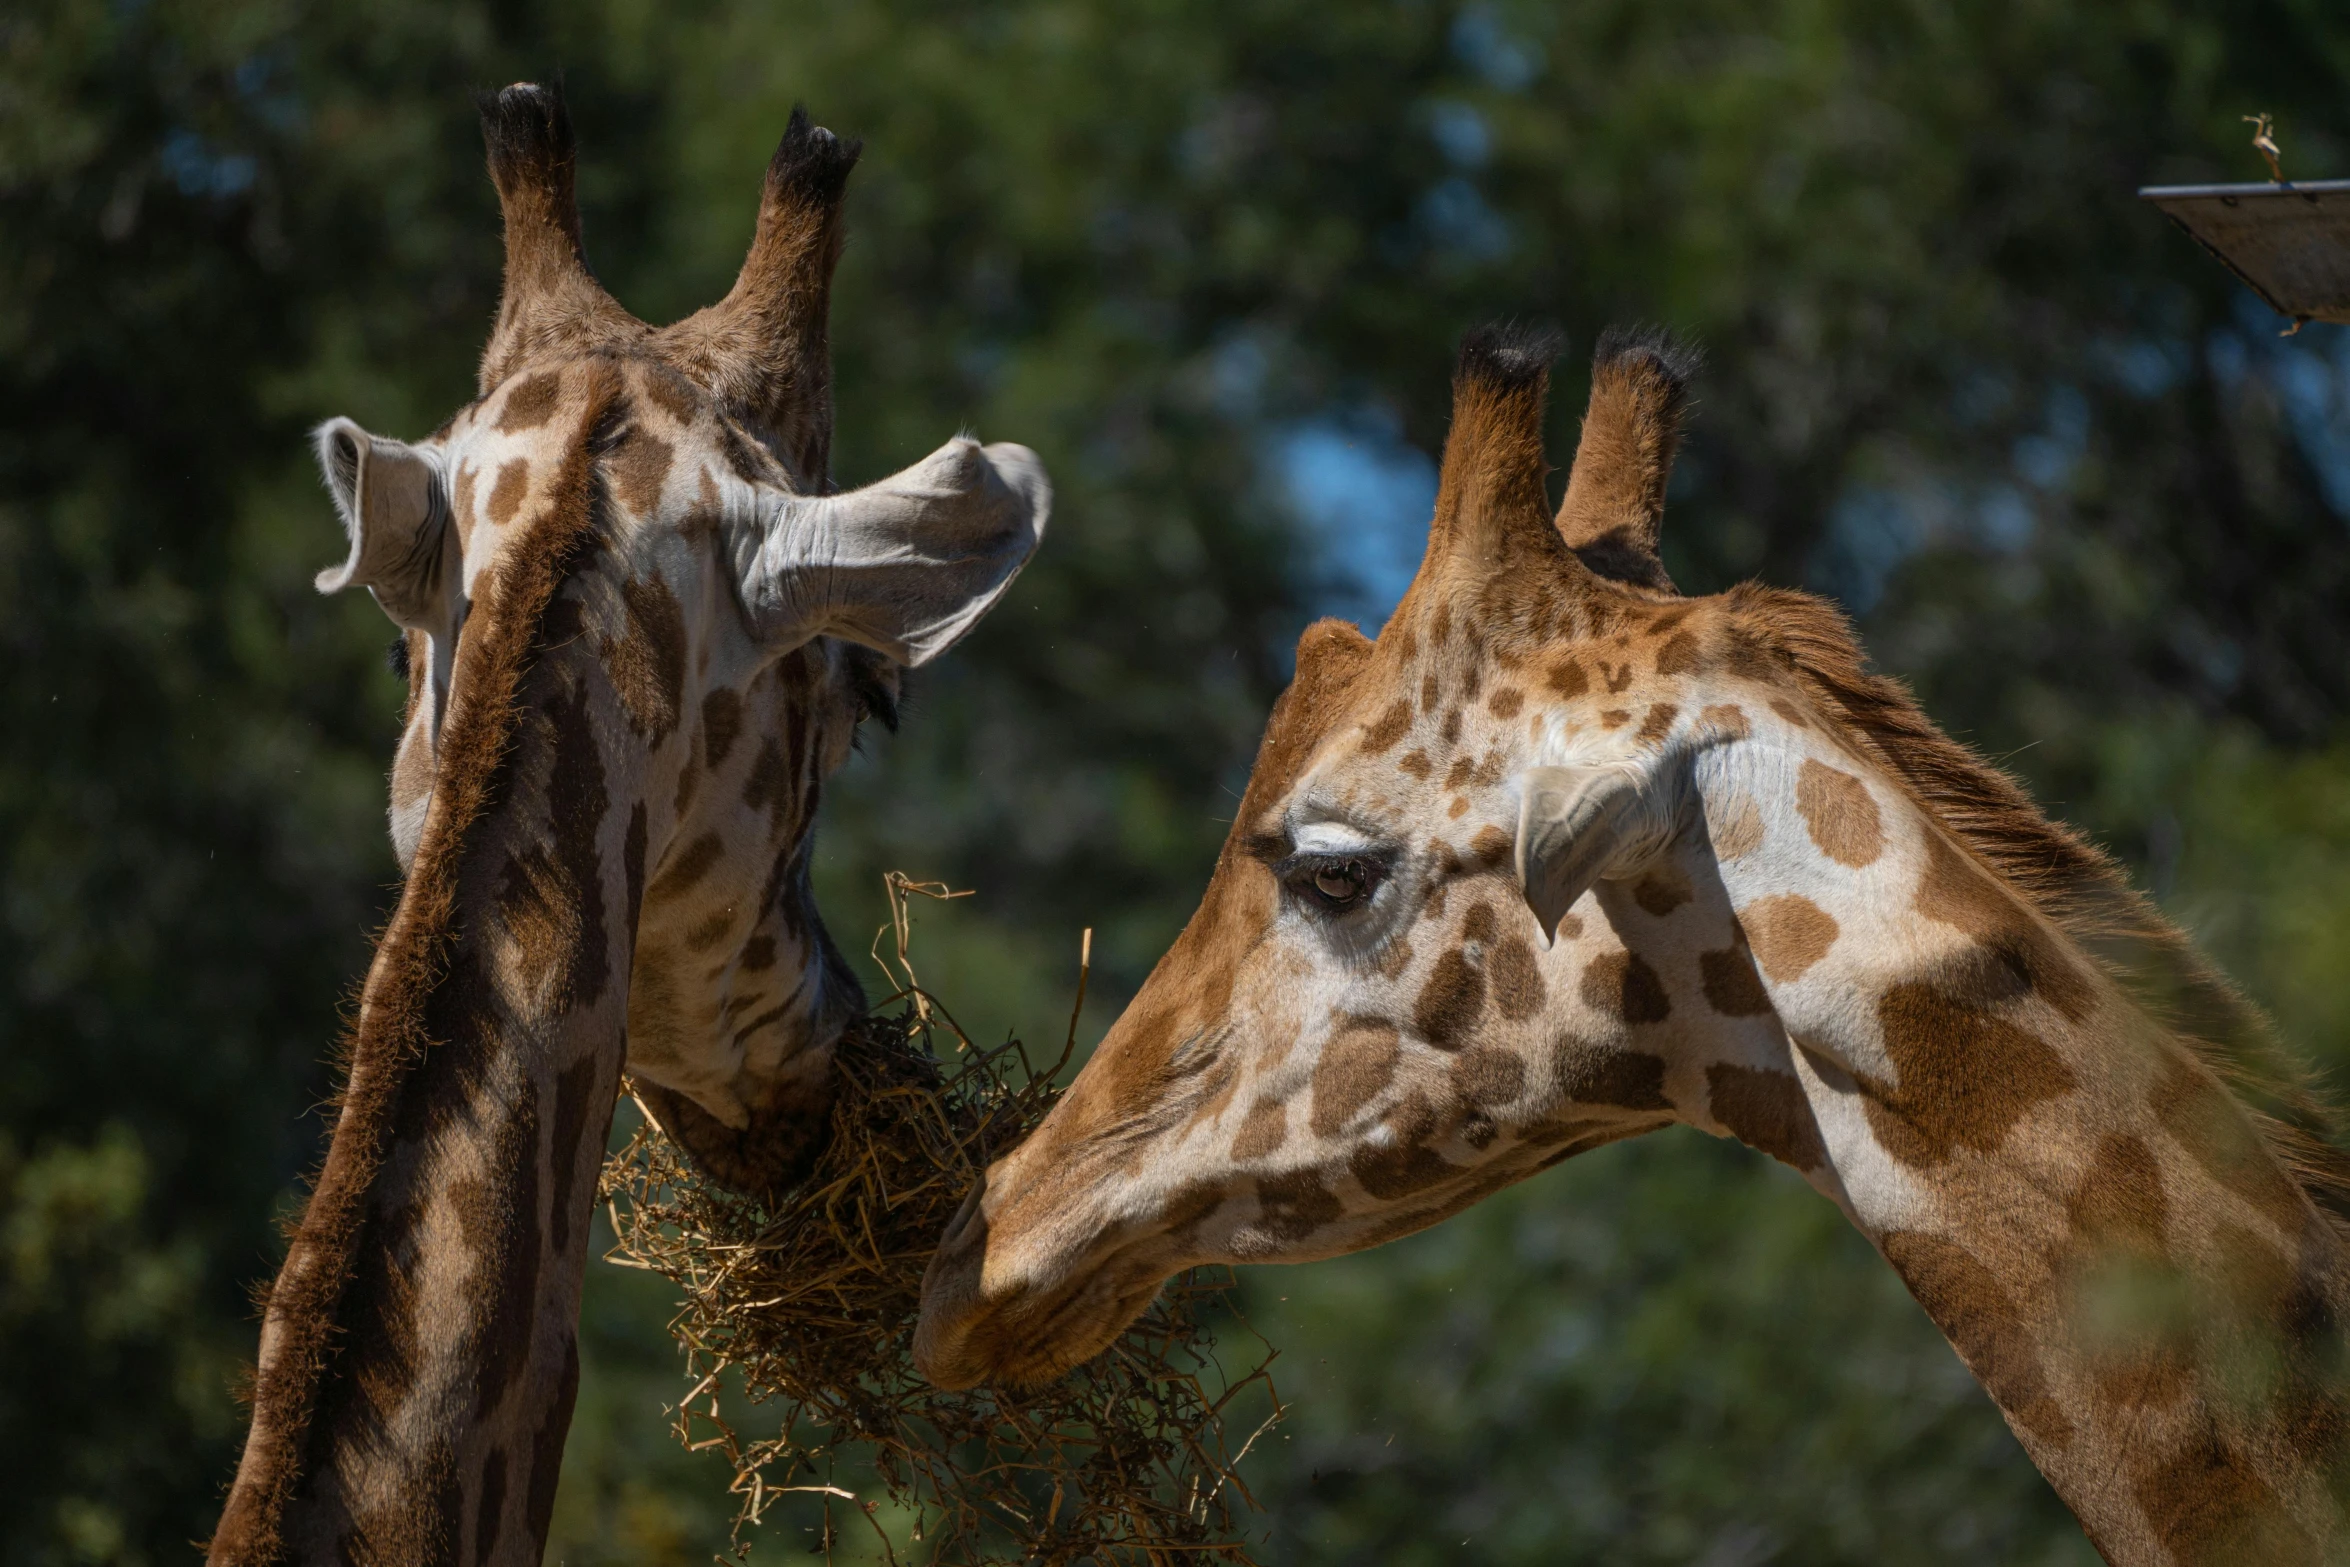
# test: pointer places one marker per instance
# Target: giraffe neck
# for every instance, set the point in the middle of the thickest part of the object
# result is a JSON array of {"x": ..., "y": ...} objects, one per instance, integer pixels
[
  {"x": 418, "y": 1357},
  {"x": 2155, "y": 1307},
  {"x": 2089, "y": 1216}
]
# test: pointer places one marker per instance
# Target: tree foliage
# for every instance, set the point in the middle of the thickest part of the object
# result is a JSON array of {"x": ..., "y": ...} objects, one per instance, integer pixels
[{"x": 2075, "y": 485}]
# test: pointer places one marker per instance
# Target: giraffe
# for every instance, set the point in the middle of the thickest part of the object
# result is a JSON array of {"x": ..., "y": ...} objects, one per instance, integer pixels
[
  {"x": 640, "y": 626},
  {"x": 1563, "y": 857}
]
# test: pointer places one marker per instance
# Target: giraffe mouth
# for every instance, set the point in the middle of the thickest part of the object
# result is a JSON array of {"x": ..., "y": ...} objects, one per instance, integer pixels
[{"x": 1030, "y": 1333}]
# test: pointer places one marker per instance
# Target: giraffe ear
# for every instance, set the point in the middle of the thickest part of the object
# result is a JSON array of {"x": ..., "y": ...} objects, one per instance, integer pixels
[
  {"x": 905, "y": 566},
  {"x": 395, "y": 511},
  {"x": 1570, "y": 822}
]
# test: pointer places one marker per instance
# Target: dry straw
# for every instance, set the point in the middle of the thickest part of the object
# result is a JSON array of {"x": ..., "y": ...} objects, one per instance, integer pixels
[{"x": 807, "y": 1302}]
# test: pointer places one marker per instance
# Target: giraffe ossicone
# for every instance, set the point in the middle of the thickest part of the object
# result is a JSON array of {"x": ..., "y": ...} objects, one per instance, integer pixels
[
  {"x": 1564, "y": 857},
  {"x": 641, "y": 626}
]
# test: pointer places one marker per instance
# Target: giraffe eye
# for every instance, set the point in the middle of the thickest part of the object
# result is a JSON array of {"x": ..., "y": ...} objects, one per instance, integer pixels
[
  {"x": 1335, "y": 885},
  {"x": 1338, "y": 882},
  {"x": 874, "y": 694}
]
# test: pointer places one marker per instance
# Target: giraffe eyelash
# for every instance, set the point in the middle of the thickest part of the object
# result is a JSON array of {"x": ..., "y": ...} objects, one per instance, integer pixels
[{"x": 1304, "y": 875}]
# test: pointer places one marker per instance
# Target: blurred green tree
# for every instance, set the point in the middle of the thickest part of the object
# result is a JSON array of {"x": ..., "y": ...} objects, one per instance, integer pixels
[{"x": 1209, "y": 258}]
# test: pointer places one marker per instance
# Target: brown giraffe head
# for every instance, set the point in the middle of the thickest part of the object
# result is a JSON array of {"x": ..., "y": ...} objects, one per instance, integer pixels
[
  {"x": 755, "y": 615},
  {"x": 1366, "y": 1026},
  {"x": 1563, "y": 857}
]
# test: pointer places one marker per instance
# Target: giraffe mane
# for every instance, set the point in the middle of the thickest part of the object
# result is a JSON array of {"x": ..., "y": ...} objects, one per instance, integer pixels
[
  {"x": 2073, "y": 883},
  {"x": 390, "y": 1038}
]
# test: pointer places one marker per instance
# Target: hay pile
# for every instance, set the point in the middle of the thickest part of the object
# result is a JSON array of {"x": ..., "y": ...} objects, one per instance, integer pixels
[{"x": 810, "y": 1302}]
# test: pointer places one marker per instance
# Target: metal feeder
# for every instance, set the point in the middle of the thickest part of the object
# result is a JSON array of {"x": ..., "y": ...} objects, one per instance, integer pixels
[{"x": 2289, "y": 243}]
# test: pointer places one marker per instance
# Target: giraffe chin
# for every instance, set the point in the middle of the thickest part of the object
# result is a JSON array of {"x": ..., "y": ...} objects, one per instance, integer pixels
[
  {"x": 768, "y": 1153},
  {"x": 1029, "y": 1334}
]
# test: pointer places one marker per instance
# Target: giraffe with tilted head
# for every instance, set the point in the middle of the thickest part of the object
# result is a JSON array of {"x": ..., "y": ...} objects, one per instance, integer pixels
[
  {"x": 640, "y": 627},
  {"x": 1563, "y": 857}
]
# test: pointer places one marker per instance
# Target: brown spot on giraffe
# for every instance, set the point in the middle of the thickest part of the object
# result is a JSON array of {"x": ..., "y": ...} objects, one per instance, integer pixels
[
  {"x": 1618, "y": 1079},
  {"x": 1568, "y": 679},
  {"x": 1662, "y": 890},
  {"x": 1788, "y": 934},
  {"x": 768, "y": 784},
  {"x": 744, "y": 457},
  {"x": 1292, "y": 1207},
  {"x": 507, "y": 493},
  {"x": 2118, "y": 1215},
  {"x": 686, "y": 867},
  {"x": 1451, "y": 1002},
  {"x": 648, "y": 662},
  {"x": 1451, "y": 727},
  {"x": 1264, "y": 1129},
  {"x": 2212, "y": 1509},
  {"x": 1840, "y": 813},
  {"x": 1615, "y": 718},
  {"x": 1727, "y": 719},
  {"x": 1505, "y": 702},
  {"x": 501, "y": 1220},
  {"x": 1985, "y": 1325},
  {"x": 1766, "y": 1110},
  {"x": 551, "y": 895},
  {"x": 1431, "y": 692},
  {"x": 1490, "y": 847},
  {"x": 722, "y": 720},
  {"x": 1967, "y": 1076},
  {"x": 710, "y": 930},
  {"x": 1387, "y": 729},
  {"x": 2208, "y": 1123},
  {"x": 1486, "y": 1079},
  {"x": 1789, "y": 712},
  {"x": 1734, "y": 824},
  {"x": 1459, "y": 772},
  {"x": 1616, "y": 676},
  {"x": 1416, "y": 763},
  {"x": 531, "y": 403},
  {"x": 1731, "y": 986},
  {"x": 489, "y": 1510},
  {"x": 1678, "y": 656},
  {"x": 639, "y": 469},
  {"x": 1624, "y": 986},
  {"x": 1357, "y": 1063},
  {"x": 1957, "y": 892},
  {"x": 580, "y": 1091},
  {"x": 1518, "y": 990},
  {"x": 1221, "y": 1088},
  {"x": 1405, "y": 1164},
  {"x": 670, "y": 392}
]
